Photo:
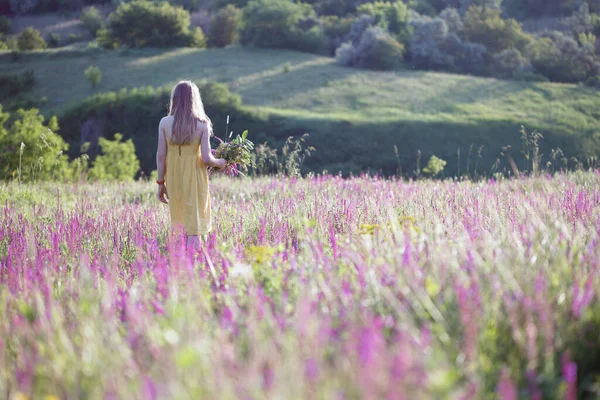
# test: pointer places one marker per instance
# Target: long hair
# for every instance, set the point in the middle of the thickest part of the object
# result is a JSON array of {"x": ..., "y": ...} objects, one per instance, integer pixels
[{"x": 187, "y": 109}]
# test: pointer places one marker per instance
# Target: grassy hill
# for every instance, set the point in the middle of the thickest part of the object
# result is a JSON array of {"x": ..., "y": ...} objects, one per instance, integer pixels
[{"x": 363, "y": 112}]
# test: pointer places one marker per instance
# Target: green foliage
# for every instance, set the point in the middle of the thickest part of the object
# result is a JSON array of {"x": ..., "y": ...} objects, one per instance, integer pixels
[
  {"x": 54, "y": 40},
  {"x": 487, "y": 27},
  {"x": 282, "y": 24},
  {"x": 560, "y": 58},
  {"x": 30, "y": 150},
  {"x": 391, "y": 16},
  {"x": 92, "y": 20},
  {"x": 14, "y": 84},
  {"x": 376, "y": 50},
  {"x": 117, "y": 162},
  {"x": 5, "y": 25},
  {"x": 31, "y": 39},
  {"x": 509, "y": 62},
  {"x": 336, "y": 29},
  {"x": 435, "y": 166},
  {"x": 94, "y": 75},
  {"x": 135, "y": 112},
  {"x": 433, "y": 46},
  {"x": 141, "y": 23},
  {"x": 224, "y": 28}
]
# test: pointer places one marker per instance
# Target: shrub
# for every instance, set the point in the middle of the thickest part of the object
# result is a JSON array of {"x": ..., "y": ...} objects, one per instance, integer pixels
[
  {"x": 117, "y": 162},
  {"x": 432, "y": 46},
  {"x": 224, "y": 27},
  {"x": 141, "y": 23},
  {"x": 5, "y": 25},
  {"x": 486, "y": 26},
  {"x": 508, "y": 62},
  {"x": 94, "y": 75},
  {"x": 30, "y": 150},
  {"x": 435, "y": 166},
  {"x": 377, "y": 49},
  {"x": 31, "y": 39},
  {"x": 13, "y": 84},
  {"x": 453, "y": 20},
  {"x": 282, "y": 24},
  {"x": 560, "y": 58},
  {"x": 54, "y": 40},
  {"x": 335, "y": 29},
  {"x": 392, "y": 17},
  {"x": 358, "y": 27},
  {"x": 92, "y": 20}
]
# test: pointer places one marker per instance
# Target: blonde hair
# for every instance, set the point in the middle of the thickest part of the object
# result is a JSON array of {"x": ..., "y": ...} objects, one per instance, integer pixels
[{"x": 187, "y": 109}]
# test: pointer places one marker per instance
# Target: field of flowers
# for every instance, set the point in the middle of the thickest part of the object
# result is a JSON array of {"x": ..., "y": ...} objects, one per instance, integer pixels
[{"x": 317, "y": 288}]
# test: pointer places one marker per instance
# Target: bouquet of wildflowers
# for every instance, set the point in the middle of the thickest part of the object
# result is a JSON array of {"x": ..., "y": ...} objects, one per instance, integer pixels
[{"x": 237, "y": 153}]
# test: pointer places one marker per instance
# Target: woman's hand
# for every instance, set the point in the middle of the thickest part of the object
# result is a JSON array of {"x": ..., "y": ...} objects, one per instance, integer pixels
[
  {"x": 220, "y": 163},
  {"x": 162, "y": 194}
]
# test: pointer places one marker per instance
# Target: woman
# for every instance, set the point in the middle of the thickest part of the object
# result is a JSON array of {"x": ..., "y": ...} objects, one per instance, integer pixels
[{"x": 184, "y": 152}]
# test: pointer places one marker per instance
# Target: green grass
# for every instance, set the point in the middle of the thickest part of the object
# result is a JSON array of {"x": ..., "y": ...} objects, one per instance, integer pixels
[{"x": 442, "y": 112}]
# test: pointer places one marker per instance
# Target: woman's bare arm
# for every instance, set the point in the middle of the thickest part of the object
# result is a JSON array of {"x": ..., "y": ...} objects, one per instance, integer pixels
[
  {"x": 161, "y": 153},
  {"x": 207, "y": 156}
]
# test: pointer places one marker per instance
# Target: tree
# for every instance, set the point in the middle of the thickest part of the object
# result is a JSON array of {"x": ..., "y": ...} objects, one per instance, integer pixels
[
  {"x": 486, "y": 26},
  {"x": 93, "y": 75},
  {"x": 225, "y": 26},
  {"x": 30, "y": 150},
  {"x": 92, "y": 20},
  {"x": 31, "y": 39},
  {"x": 377, "y": 50},
  {"x": 391, "y": 16},
  {"x": 141, "y": 23},
  {"x": 117, "y": 162},
  {"x": 282, "y": 24}
]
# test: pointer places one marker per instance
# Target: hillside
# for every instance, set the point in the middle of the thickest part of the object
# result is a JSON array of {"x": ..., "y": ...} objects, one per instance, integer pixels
[{"x": 410, "y": 109}]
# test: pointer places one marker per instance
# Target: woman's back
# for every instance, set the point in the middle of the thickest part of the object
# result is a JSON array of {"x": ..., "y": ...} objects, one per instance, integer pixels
[{"x": 187, "y": 182}]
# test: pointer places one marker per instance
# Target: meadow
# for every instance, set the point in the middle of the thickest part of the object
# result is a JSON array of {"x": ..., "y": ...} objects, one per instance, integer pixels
[
  {"x": 350, "y": 114},
  {"x": 319, "y": 288}
]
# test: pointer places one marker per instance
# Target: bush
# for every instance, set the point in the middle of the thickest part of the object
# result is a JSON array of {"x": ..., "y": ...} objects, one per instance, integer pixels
[
  {"x": 14, "y": 84},
  {"x": 487, "y": 27},
  {"x": 377, "y": 50},
  {"x": 509, "y": 62},
  {"x": 432, "y": 46},
  {"x": 282, "y": 24},
  {"x": 358, "y": 28},
  {"x": 560, "y": 58},
  {"x": 453, "y": 20},
  {"x": 392, "y": 17},
  {"x": 5, "y": 25},
  {"x": 224, "y": 28},
  {"x": 117, "y": 162},
  {"x": 335, "y": 29},
  {"x": 141, "y": 23},
  {"x": 54, "y": 40},
  {"x": 30, "y": 150},
  {"x": 94, "y": 75},
  {"x": 92, "y": 20},
  {"x": 31, "y": 39},
  {"x": 435, "y": 166}
]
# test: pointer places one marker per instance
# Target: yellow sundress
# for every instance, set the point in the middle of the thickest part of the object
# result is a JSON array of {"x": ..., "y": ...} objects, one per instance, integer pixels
[{"x": 187, "y": 188}]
